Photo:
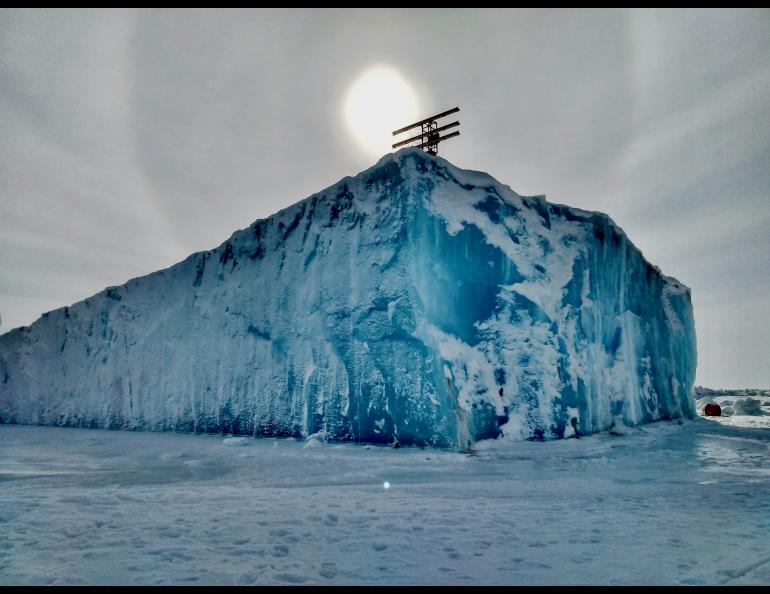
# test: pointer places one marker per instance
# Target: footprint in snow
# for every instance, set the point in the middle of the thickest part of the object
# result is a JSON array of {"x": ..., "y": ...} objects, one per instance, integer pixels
[
  {"x": 328, "y": 571},
  {"x": 291, "y": 578},
  {"x": 452, "y": 553},
  {"x": 280, "y": 551}
]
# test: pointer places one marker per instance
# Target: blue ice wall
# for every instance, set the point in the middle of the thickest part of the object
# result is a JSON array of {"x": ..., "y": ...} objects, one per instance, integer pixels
[{"x": 415, "y": 301}]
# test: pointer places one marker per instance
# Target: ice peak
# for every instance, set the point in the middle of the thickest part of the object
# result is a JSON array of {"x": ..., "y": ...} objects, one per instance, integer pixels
[{"x": 415, "y": 302}]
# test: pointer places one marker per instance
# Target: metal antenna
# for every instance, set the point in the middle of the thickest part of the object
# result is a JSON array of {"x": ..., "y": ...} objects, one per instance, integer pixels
[{"x": 430, "y": 134}]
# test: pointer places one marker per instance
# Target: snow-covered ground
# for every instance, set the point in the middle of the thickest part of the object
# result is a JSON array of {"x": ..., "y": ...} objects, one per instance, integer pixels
[
  {"x": 666, "y": 504},
  {"x": 740, "y": 408}
]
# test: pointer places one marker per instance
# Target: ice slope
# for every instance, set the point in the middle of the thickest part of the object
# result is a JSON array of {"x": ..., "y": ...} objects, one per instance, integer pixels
[{"x": 416, "y": 302}]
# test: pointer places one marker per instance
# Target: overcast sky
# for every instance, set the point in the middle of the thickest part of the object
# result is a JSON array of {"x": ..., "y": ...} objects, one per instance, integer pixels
[{"x": 130, "y": 139}]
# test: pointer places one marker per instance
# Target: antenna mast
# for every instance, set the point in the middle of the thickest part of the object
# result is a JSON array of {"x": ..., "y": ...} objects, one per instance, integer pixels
[{"x": 430, "y": 134}]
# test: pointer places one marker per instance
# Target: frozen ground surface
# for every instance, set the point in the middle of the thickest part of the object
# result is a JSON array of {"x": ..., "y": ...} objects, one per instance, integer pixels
[
  {"x": 740, "y": 408},
  {"x": 668, "y": 504}
]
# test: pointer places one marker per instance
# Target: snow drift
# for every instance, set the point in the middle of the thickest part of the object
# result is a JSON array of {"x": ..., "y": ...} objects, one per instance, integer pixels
[{"x": 415, "y": 302}]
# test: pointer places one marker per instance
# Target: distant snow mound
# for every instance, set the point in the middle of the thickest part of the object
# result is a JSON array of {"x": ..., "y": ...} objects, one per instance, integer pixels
[
  {"x": 416, "y": 303},
  {"x": 748, "y": 406},
  {"x": 702, "y": 392}
]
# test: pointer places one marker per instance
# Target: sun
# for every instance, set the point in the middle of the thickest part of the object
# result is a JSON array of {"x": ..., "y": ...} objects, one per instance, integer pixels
[{"x": 378, "y": 102}]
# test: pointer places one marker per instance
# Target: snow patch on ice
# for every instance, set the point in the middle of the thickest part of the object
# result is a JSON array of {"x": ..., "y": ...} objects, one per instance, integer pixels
[
  {"x": 315, "y": 440},
  {"x": 236, "y": 441}
]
